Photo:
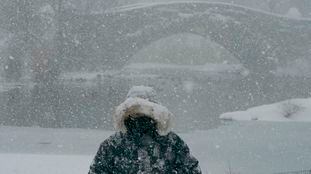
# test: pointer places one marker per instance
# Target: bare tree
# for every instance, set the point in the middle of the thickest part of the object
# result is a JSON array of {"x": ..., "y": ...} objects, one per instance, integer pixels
[{"x": 18, "y": 22}]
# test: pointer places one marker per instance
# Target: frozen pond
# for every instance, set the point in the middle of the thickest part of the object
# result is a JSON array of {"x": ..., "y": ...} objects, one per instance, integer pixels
[{"x": 243, "y": 147}]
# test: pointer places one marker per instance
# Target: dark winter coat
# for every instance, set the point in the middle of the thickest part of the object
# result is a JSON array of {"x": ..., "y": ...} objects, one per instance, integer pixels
[
  {"x": 144, "y": 143},
  {"x": 123, "y": 153}
]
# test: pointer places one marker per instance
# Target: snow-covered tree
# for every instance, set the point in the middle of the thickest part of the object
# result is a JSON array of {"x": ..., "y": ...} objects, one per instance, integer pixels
[{"x": 294, "y": 13}]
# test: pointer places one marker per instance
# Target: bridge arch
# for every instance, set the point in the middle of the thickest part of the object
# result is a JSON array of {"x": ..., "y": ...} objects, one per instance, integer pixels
[
  {"x": 257, "y": 39},
  {"x": 184, "y": 49}
]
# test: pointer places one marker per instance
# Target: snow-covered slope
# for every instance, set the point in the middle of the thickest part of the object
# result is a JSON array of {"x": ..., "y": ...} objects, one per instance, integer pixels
[{"x": 289, "y": 110}]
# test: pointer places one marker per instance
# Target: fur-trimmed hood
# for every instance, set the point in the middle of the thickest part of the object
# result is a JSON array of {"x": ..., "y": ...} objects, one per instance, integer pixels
[{"x": 136, "y": 105}]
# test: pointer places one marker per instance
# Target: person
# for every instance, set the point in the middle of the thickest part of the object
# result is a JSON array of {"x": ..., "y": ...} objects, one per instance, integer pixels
[{"x": 144, "y": 142}]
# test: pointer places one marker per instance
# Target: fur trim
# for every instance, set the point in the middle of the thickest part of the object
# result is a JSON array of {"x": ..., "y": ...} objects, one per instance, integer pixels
[{"x": 132, "y": 106}]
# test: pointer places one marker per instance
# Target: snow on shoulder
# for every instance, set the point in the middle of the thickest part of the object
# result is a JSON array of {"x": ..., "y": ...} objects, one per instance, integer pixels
[
  {"x": 142, "y": 100},
  {"x": 289, "y": 110}
]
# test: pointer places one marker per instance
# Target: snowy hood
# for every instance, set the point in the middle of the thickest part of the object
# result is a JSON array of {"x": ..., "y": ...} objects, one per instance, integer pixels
[{"x": 134, "y": 106}]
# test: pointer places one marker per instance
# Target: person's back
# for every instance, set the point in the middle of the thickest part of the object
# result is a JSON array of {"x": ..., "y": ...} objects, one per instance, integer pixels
[{"x": 144, "y": 143}]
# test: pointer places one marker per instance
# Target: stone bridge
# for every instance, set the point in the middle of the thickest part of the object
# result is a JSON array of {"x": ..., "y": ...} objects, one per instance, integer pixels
[{"x": 258, "y": 39}]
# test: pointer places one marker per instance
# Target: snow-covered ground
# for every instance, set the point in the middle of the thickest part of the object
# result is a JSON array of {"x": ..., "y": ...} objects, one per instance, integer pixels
[
  {"x": 289, "y": 110},
  {"x": 43, "y": 164},
  {"x": 247, "y": 147}
]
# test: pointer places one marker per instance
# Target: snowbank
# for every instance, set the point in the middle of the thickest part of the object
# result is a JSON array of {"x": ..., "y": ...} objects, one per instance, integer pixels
[
  {"x": 209, "y": 67},
  {"x": 289, "y": 110}
]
